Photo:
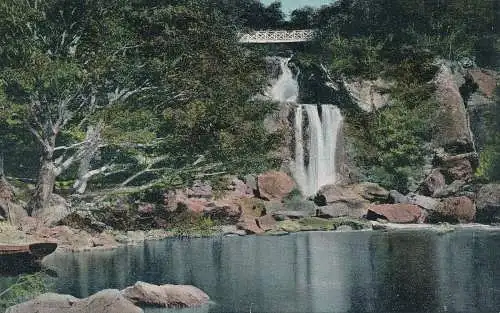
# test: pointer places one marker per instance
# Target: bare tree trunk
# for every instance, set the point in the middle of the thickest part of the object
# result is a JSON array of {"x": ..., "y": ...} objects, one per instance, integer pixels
[{"x": 44, "y": 187}]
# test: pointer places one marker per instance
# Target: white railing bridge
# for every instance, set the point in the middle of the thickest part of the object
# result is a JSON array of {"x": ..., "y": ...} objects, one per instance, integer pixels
[{"x": 277, "y": 36}]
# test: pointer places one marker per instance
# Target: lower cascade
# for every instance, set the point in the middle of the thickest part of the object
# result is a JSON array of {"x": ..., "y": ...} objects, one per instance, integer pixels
[
  {"x": 314, "y": 163},
  {"x": 316, "y": 128}
]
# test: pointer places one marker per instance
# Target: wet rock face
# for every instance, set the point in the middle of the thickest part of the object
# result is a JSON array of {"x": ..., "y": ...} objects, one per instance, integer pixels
[{"x": 488, "y": 204}]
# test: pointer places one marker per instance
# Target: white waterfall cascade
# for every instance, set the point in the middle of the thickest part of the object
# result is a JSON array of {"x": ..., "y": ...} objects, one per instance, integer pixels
[{"x": 315, "y": 140}]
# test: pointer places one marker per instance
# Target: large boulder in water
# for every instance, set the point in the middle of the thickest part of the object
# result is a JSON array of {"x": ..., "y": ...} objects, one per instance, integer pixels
[
  {"x": 396, "y": 213},
  {"x": 488, "y": 204},
  {"x": 274, "y": 185},
  {"x": 106, "y": 301},
  {"x": 170, "y": 296}
]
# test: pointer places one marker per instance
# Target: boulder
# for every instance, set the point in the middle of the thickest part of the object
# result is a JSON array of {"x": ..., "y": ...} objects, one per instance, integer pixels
[
  {"x": 452, "y": 189},
  {"x": 266, "y": 222},
  {"x": 488, "y": 204},
  {"x": 397, "y": 197},
  {"x": 343, "y": 200},
  {"x": 369, "y": 95},
  {"x": 371, "y": 191},
  {"x": 434, "y": 183},
  {"x": 56, "y": 211},
  {"x": 170, "y": 296},
  {"x": 252, "y": 207},
  {"x": 249, "y": 225},
  {"x": 274, "y": 185},
  {"x": 396, "y": 213},
  {"x": 456, "y": 167},
  {"x": 106, "y": 301},
  {"x": 239, "y": 189},
  {"x": 424, "y": 202},
  {"x": 283, "y": 215},
  {"x": 454, "y": 210},
  {"x": 12, "y": 211},
  {"x": 339, "y": 209},
  {"x": 251, "y": 181}
]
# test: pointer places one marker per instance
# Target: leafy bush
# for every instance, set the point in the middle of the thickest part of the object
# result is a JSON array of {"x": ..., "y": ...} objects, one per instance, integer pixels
[{"x": 24, "y": 288}]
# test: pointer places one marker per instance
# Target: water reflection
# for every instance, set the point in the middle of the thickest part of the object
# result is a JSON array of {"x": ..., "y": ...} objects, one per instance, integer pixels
[{"x": 308, "y": 272}]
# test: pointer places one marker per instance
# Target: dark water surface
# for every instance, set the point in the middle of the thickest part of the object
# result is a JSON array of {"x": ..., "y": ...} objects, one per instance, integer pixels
[{"x": 307, "y": 272}]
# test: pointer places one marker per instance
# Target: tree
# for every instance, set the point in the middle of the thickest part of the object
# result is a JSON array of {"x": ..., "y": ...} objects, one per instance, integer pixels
[{"x": 55, "y": 78}]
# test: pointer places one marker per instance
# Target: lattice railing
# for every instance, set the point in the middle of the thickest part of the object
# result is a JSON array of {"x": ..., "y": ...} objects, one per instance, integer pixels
[{"x": 276, "y": 36}]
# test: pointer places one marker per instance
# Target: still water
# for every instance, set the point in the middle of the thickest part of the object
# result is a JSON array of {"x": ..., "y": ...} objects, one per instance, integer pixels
[{"x": 344, "y": 272}]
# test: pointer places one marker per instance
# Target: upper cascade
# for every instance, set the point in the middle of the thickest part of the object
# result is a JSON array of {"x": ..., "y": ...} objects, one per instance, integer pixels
[
  {"x": 285, "y": 88},
  {"x": 316, "y": 128}
]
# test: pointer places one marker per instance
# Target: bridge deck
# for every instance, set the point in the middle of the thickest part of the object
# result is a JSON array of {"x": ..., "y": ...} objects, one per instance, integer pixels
[{"x": 278, "y": 36}]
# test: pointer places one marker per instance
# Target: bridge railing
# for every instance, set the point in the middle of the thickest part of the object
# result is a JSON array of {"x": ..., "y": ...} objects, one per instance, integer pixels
[{"x": 277, "y": 36}]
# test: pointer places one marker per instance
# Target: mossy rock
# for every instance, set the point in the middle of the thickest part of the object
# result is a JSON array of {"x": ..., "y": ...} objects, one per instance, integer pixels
[
  {"x": 290, "y": 226},
  {"x": 355, "y": 224},
  {"x": 316, "y": 223}
]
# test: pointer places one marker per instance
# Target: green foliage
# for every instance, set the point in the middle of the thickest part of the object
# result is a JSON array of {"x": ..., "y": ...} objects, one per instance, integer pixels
[
  {"x": 356, "y": 56},
  {"x": 489, "y": 155},
  {"x": 195, "y": 226},
  {"x": 390, "y": 144},
  {"x": 24, "y": 288}
]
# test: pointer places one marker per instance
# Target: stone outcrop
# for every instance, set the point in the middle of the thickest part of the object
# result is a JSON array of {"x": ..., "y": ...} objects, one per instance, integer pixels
[
  {"x": 488, "y": 204},
  {"x": 485, "y": 80},
  {"x": 454, "y": 133},
  {"x": 456, "y": 167},
  {"x": 274, "y": 185},
  {"x": 169, "y": 296},
  {"x": 369, "y": 95},
  {"x": 106, "y": 301},
  {"x": 396, "y": 213}
]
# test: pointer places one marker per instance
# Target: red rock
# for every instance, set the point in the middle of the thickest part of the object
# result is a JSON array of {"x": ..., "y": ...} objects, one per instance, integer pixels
[
  {"x": 249, "y": 225},
  {"x": 274, "y": 185},
  {"x": 266, "y": 222},
  {"x": 454, "y": 209},
  {"x": 396, "y": 213}
]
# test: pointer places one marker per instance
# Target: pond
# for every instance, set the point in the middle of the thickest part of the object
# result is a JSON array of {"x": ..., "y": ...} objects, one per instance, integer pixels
[{"x": 404, "y": 271}]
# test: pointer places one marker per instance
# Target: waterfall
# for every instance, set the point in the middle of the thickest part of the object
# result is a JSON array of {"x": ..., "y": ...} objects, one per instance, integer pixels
[{"x": 316, "y": 129}]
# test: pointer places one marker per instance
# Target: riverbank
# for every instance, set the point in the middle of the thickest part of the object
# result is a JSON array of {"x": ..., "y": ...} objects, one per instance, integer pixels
[{"x": 74, "y": 240}]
